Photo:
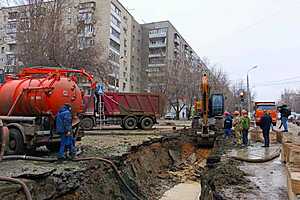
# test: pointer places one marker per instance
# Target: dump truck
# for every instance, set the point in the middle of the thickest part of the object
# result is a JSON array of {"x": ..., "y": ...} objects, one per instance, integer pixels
[
  {"x": 129, "y": 110},
  {"x": 261, "y": 107},
  {"x": 29, "y": 103}
]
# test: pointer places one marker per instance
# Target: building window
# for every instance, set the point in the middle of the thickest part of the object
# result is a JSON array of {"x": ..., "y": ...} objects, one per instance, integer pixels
[
  {"x": 115, "y": 21},
  {"x": 12, "y": 15},
  {"x": 157, "y": 31},
  {"x": 125, "y": 53},
  {"x": 114, "y": 57},
  {"x": 124, "y": 86},
  {"x": 114, "y": 45},
  {"x": 115, "y": 9},
  {"x": 125, "y": 30},
  {"x": 12, "y": 47},
  {"x": 85, "y": 17},
  {"x": 125, "y": 43},
  {"x": 159, "y": 60},
  {"x": 11, "y": 60},
  {"x": 114, "y": 32},
  {"x": 2, "y": 49}
]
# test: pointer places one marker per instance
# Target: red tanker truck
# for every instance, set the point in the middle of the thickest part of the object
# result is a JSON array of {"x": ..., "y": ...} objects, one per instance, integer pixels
[{"x": 28, "y": 105}]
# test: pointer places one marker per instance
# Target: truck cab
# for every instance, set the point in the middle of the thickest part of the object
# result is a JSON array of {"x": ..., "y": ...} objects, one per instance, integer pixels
[{"x": 261, "y": 107}]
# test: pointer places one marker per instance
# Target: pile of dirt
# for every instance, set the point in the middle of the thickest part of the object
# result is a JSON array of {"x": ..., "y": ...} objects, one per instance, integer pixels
[
  {"x": 227, "y": 173},
  {"x": 223, "y": 176}
]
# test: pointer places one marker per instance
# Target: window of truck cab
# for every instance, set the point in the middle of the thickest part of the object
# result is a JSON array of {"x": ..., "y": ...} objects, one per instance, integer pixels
[{"x": 265, "y": 107}]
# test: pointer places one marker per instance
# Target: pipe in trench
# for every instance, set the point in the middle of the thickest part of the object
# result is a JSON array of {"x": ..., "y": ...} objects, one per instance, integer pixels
[
  {"x": 24, "y": 157},
  {"x": 23, "y": 185}
]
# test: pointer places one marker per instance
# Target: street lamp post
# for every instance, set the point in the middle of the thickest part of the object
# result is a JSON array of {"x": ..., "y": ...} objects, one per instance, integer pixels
[{"x": 248, "y": 90}]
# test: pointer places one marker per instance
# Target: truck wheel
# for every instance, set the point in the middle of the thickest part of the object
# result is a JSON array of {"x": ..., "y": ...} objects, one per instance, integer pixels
[
  {"x": 87, "y": 123},
  {"x": 15, "y": 143},
  {"x": 147, "y": 123},
  {"x": 130, "y": 123}
]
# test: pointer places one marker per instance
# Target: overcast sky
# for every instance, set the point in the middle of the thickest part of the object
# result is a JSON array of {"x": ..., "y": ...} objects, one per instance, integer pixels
[{"x": 237, "y": 34}]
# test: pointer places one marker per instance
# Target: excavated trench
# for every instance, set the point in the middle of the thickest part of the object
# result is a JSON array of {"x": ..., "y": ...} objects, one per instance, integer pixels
[{"x": 149, "y": 170}]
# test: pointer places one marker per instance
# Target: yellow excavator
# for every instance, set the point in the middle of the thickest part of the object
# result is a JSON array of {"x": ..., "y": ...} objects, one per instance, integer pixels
[{"x": 208, "y": 121}]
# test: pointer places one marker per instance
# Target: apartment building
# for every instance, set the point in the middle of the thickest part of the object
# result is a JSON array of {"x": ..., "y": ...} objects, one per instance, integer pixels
[
  {"x": 109, "y": 26},
  {"x": 134, "y": 51},
  {"x": 162, "y": 46},
  {"x": 8, "y": 30}
]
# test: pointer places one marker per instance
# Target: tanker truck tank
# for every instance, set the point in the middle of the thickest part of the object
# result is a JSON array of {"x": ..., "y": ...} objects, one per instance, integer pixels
[{"x": 31, "y": 96}]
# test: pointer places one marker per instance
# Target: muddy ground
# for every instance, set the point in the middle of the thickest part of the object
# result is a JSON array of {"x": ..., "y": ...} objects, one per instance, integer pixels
[
  {"x": 234, "y": 180},
  {"x": 151, "y": 163}
]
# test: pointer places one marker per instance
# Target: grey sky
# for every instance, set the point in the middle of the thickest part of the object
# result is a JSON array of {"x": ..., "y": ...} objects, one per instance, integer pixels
[{"x": 237, "y": 34}]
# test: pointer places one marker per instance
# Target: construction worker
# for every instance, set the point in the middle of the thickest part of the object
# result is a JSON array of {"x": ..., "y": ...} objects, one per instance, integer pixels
[
  {"x": 265, "y": 125},
  {"x": 285, "y": 113},
  {"x": 64, "y": 129},
  {"x": 245, "y": 125},
  {"x": 227, "y": 125},
  {"x": 237, "y": 127},
  {"x": 98, "y": 92}
]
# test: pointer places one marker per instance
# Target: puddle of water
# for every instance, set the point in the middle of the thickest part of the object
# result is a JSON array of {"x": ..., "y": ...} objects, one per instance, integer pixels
[{"x": 183, "y": 191}]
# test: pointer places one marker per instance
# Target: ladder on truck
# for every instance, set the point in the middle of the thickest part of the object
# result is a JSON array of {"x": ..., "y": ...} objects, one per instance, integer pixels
[{"x": 102, "y": 118}]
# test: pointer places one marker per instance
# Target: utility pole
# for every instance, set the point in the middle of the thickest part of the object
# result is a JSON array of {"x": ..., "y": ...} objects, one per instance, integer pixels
[{"x": 248, "y": 90}]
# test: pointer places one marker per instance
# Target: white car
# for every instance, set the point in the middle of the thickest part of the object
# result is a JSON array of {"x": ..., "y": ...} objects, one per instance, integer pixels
[{"x": 170, "y": 116}]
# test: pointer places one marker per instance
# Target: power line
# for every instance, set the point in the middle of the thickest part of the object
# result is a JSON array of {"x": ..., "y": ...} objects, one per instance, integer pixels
[
  {"x": 281, "y": 80},
  {"x": 274, "y": 84}
]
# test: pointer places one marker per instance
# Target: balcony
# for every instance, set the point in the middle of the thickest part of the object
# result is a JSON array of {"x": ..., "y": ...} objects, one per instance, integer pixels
[
  {"x": 177, "y": 40},
  {"x": 157, "y": 44},
  {"x": 87, "y": 20},
  {"x": 157, "y": 34},
  {"x": 155, "y": 55},
  {"x": 114, "y": 50},
  {"x": 113, "y": 12},
  {"x": 9, "y": 40},
  {"x": 115, "y": 27},
  {"x": 87, "y": 7},
  {"x": 156, "y": 64},
  {"x": 11, "y": 30},
  {"x": 114, "y": 38}
]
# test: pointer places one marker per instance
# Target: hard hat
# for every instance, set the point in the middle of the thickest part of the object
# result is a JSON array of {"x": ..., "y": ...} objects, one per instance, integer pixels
[
  {"x": 226, "y": 113},
  {"x": 236, "y": 112},
  {"x": 244, "y": 111}
]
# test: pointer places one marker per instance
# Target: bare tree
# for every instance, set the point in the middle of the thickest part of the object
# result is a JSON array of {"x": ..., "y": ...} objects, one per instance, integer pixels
[
  {"x": 45, "y": 37},
  {"x": 292, "y": 99}
]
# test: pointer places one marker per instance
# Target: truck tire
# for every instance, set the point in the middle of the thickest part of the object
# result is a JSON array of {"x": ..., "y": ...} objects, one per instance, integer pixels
[
  {"x": 130, "y": 123},
  {"x": 15, "y": 143},
  {"x": 87, "y": 123},
  {"x": 147, "y": 123}
]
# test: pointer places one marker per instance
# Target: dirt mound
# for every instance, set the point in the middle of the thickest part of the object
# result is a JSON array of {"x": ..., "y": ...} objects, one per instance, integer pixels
[{"x": 223, "y": 176}]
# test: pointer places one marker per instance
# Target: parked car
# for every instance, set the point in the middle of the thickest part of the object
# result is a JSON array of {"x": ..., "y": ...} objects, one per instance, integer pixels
[{"x": 170, "y": 116}]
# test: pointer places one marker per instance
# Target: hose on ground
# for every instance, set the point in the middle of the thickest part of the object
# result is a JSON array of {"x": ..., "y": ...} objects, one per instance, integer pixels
[
  {"x": 116, "y": 171},
  {"x": 23, "y": 185},
  {"x": 258, "y": 160},
  {"x": 24, "y": 157}
]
